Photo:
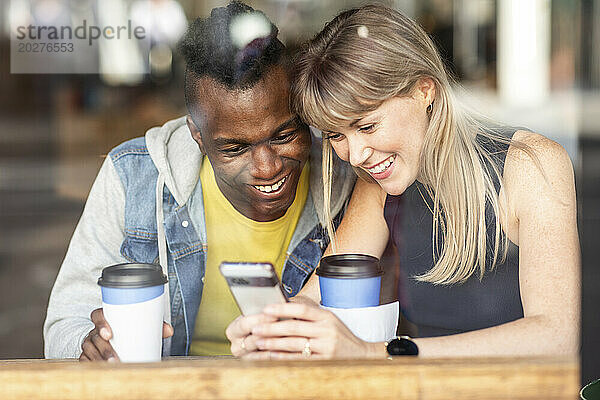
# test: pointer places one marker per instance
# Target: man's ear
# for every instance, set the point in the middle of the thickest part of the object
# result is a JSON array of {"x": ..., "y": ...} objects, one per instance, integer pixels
[{"x": 196, "y": 134}]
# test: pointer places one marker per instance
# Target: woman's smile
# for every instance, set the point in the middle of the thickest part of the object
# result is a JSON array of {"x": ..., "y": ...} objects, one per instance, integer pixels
[{"x": 382, "y": 169}]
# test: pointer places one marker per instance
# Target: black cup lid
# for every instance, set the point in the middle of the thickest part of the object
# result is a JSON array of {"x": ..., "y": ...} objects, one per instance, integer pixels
[
  {"x": 132, "y": 276},
  {"x": 349, "y": 266}
]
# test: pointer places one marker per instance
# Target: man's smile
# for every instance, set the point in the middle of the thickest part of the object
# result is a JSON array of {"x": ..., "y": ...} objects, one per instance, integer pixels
[{"x": 274, "y": 188}]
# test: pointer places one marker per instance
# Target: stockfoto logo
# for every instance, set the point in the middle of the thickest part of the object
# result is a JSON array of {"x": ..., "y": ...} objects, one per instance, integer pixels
[
  {"x": 84, "y": 31},
  {"x": 79, "y": 47}
]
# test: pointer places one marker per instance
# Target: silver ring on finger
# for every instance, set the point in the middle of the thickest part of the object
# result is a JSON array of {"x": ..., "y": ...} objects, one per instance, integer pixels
[
  {"x": 243, "y": 344},
  {"x": 307, "y": 352}
]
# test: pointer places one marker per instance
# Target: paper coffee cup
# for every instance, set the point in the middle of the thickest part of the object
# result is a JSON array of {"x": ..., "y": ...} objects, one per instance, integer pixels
[
  {"x": 349, "y": 280},
  {"x": 371, "y": 324},
  {"x": 133, "y": 303}
]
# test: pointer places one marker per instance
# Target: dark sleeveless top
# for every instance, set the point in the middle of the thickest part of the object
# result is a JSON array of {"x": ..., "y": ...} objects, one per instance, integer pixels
[{"x": 438, "y": 310}]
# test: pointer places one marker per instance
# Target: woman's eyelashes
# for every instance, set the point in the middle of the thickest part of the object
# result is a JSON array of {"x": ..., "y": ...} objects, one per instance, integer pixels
[
  {"x": 336, "y": 137},
  {"x": 367, "y": 128}
]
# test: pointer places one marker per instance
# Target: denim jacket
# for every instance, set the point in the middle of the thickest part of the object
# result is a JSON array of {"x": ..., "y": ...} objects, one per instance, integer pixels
[{"x": 158, "y": 174}]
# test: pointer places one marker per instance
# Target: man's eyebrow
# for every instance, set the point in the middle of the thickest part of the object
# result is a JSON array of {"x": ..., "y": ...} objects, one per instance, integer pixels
[
  {"x": 219, "y": 142},
  {"x": 287, "y": 124}
]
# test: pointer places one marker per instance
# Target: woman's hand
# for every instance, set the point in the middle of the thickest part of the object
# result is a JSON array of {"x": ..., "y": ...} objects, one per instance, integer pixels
[
  {"x": 300, "y": 299},
  {"x": 239, "y": 333},
  {"x": 300, "y": 331}
]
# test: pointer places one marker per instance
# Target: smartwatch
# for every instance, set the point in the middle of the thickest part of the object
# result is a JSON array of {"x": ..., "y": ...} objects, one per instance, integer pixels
[{"x": 401, "y": 346}]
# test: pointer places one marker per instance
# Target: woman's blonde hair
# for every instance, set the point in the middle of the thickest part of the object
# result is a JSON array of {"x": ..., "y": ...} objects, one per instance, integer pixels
[{"x": 367, "y": 55}]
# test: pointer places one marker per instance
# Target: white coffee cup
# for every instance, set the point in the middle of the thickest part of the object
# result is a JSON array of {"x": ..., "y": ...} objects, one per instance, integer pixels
[
  {"x": 371, "y": 324},
  {"x": 133, "y": 304}
]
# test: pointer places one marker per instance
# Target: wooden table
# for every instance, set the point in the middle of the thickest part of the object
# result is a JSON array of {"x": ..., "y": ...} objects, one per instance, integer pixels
[{"x": 193, "y": 378}]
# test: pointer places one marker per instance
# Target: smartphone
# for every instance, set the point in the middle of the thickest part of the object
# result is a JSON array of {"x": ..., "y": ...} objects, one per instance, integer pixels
[{"x": 253, "y": 285}]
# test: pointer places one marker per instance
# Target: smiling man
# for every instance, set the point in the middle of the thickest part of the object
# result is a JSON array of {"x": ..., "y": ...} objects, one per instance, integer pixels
[{"x": 237, "y": 179}]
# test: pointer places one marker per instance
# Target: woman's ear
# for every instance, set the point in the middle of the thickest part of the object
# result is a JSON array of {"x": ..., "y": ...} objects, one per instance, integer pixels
[
  {"x": 196, "y": 134},
  {"x": 425, "y": 91}
]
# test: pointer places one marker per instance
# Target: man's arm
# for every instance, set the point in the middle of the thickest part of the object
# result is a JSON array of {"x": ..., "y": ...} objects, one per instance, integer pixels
[{"x": 95, "y": 244}]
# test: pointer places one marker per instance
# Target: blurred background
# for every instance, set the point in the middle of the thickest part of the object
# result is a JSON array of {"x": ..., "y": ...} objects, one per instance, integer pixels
[{"x": 531, "y": 63}]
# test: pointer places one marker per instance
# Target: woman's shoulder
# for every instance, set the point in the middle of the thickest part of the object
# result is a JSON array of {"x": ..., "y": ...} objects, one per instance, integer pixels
[
  {"x": 536, "y": 168},
  {"x": 529, "y": 149},
  {"x": 536, "y": 141}
]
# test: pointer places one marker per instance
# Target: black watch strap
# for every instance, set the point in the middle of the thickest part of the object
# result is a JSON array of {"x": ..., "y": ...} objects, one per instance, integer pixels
[{"x": 402, "y": 346}]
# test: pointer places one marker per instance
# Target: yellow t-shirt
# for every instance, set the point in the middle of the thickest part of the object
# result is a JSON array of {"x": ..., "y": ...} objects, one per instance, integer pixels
[{"x": 233, "y": 237}]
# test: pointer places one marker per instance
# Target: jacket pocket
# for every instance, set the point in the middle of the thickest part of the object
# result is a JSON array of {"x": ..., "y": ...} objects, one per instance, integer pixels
[{"x": 140, "y": 250}]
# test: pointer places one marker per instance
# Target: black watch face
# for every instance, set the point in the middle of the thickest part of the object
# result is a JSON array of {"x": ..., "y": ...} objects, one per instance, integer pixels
[{"x": 402, "y": 347}]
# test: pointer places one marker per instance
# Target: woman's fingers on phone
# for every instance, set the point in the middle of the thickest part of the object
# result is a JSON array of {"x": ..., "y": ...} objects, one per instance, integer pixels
[
  {"x": 237, "y": 348},
  {"x": 294, "y": 344},
  {"x": 249, "y": 343},
  {"x": 242, "y": 326},
  {"x": 283, "y": 355},
  {"x": 239, "y": 333},
  {"x": 292, "y": 327},
  {"x": 244, "y": 345},
  {"x": 236, "y": 329},
  {"x": 307, "y": 312}
]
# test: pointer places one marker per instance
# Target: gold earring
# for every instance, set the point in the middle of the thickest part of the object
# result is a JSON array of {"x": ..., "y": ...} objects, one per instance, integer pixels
[{"x": 430, "y": 108}]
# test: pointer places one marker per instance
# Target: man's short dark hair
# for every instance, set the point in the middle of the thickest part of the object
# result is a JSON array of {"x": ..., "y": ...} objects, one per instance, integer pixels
[{"x": 209, "y": 52}]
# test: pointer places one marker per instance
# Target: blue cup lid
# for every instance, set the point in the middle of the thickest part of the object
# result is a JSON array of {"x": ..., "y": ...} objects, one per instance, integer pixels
[
  {"x": 132, "y": 276},
  {"x": 349, "y": 266}
]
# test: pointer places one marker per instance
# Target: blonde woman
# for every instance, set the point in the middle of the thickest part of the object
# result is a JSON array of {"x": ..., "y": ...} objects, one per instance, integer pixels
[{"x": 484, "y": 217}]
